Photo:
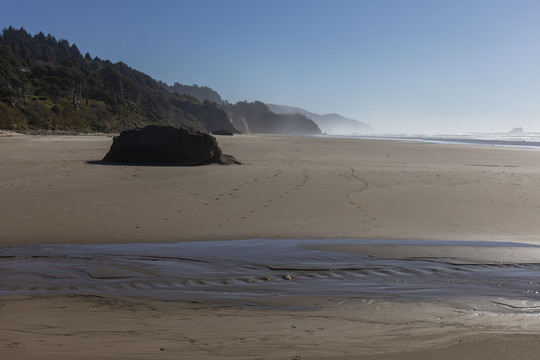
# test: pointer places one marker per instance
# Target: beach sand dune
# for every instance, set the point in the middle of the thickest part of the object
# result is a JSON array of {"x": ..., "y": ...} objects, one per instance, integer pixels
[{"x": 54, "y": 190}]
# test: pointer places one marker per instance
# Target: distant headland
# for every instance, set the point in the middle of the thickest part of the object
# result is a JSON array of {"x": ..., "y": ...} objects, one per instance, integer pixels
[{"x": 48, "y": 85}]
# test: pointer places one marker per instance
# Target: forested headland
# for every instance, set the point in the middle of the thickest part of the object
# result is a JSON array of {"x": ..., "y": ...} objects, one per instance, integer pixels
[{"x": 48, "y": 84}]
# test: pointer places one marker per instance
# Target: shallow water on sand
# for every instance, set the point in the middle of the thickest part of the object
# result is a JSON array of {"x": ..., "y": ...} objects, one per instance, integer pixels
[{"x": 244, "y": 270}]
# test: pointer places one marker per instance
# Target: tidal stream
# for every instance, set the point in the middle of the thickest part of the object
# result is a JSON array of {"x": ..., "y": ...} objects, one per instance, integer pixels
[{"x": 244, "y": 270}]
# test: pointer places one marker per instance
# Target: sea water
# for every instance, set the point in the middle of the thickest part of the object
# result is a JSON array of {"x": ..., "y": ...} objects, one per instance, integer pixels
[{"x": 518, "y": 139}]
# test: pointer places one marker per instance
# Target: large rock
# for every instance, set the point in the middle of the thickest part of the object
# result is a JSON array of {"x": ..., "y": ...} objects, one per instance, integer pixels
[{"x": 166, "y": 145}]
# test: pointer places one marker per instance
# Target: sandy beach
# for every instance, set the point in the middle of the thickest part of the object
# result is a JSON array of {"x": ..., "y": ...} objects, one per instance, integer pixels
[
  {"x": 54, "y": 190},
  {"x": 287, "y": 187}
]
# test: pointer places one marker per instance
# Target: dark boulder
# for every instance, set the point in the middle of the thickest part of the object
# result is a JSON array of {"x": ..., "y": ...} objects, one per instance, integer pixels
[{"x": 166, "y": 145}]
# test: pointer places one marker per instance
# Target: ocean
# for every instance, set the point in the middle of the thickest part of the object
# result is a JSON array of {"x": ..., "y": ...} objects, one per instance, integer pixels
[{"x": 511, "y": 139}]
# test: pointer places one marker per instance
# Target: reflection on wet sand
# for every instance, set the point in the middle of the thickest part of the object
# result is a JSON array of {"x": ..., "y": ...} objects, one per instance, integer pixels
[{"x": 278, "y": 272}]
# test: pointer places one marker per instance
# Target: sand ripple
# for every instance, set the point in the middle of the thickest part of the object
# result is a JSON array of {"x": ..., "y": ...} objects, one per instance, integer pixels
[{"x": 237, "y": 271}]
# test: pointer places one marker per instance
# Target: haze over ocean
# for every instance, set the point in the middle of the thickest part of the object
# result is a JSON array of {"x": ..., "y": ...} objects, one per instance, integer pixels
[{"x": 402, "y": 66}]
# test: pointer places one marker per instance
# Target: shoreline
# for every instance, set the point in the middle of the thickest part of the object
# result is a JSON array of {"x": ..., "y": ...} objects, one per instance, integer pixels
[{"x": 510, "y": 140}]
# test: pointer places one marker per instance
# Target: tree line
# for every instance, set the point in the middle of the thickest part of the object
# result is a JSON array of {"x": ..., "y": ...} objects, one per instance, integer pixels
[{"x": 47, "y": 83}]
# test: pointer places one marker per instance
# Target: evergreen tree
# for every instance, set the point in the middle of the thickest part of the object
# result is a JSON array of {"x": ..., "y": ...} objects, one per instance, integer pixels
[{"x": 47, "y": 84}]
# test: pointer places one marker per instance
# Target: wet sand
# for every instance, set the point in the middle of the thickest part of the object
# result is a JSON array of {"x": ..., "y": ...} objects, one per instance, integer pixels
[
  {"x": 287, "y": 188},
  {"x": 90, "y": 327}
]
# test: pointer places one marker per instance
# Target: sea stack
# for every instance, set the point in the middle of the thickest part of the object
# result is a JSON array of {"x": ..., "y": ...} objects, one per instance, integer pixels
[{"x": 167, "y": 145}]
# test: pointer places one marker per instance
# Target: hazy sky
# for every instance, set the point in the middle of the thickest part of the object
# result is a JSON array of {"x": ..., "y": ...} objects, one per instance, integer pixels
[{"x": 401, "y": 66}]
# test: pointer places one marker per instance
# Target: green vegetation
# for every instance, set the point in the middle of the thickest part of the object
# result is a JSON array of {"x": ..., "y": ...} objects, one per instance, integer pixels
[
  {"x": 48, "y": 84},
  {"x": 201, "y": 93}
]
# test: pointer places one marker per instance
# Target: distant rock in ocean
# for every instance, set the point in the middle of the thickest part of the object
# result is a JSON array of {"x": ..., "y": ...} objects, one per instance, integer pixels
[
  {"x": 166, "y": 145},
  {"x": 517, "y": 130}
]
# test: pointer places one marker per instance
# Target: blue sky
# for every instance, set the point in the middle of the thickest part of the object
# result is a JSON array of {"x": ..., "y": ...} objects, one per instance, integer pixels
[{"x": 399, "y": 65}]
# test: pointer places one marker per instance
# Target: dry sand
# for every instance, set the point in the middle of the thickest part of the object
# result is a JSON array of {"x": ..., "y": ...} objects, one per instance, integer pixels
[{"x": 287, "y": 187}]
